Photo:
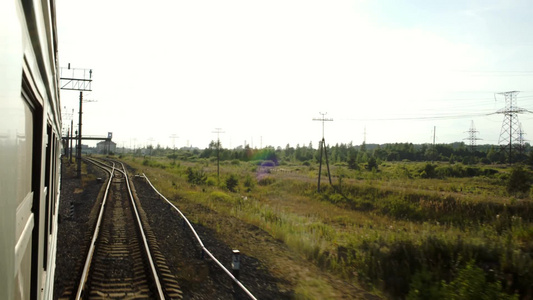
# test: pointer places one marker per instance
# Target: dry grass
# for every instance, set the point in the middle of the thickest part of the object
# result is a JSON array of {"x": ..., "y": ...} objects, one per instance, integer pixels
[{"x": 316, "y": 244}]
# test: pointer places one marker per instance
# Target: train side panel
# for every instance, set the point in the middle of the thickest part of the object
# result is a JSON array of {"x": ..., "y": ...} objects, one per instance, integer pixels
[{"x": 30, "y": 127}]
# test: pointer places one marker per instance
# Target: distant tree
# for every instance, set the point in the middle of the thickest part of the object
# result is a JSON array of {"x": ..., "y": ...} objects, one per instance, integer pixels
[
  {"x": 452, "y": 159},
  {"x": 334, "y": 155},
  {"x": 393, "y": 156},
  {"x": 380, "y": 153},
  {"x": 363, "y": 147},
  {"x": 363, "y": 157},
  {"x": 352, "y": 163},
  {"x": 289, "y": 153},
  {"x": 431, "y": 154},
  {"x": 372, "y": 164},
  {"x": 495, "y": 155},
  {"x": 530, "y": 159}
]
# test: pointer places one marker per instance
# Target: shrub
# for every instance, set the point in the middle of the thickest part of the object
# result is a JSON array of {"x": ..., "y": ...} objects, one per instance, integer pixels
[
  {"x": 196, "y": 176},
  {"x": 221, "y": 196},
  {"x": 153, "y": 163},
  {"x": 249, "y": 183},
  {"x": 424, "y": 286},
  {"x": 429, "y": 171},
  {"x": 519, "y": 180},
  {"x": 336, "y": 198},
  {"x": 211, "y": 181},
  {"x": 401, "y": 208},
  {"x": 471, "y": 283},
  {"x": 461, "y": 171},
  {"x": 267, "y": 180},
  {"x": 232, "y": 182}
]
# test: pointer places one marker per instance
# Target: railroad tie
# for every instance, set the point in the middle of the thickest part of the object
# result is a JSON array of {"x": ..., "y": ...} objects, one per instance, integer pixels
[{"x": 71, "y": 210}]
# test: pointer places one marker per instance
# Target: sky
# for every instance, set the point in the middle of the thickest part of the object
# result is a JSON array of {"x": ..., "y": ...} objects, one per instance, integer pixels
[{"x": 259, "y": 72}]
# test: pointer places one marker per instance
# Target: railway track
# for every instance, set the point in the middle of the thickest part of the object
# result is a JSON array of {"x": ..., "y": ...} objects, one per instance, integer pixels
[{"x": 123, "y": 260}]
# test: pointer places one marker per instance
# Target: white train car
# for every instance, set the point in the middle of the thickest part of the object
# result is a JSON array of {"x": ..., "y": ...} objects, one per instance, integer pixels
[{"x": 30, "y": 148}]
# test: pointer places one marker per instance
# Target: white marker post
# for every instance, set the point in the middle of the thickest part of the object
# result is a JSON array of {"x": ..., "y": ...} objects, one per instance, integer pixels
[
  {"x": 235, "y": 263},
  {"x": 235, "y": 266}
]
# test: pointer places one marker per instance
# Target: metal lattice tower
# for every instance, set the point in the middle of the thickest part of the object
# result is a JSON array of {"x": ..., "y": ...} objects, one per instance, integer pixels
[
  {"x": 77, "y": 80},
  {"x": 521, "y": 138},
  {"x": 510, "y": 134},
  {"x": 472, "y": 136}
]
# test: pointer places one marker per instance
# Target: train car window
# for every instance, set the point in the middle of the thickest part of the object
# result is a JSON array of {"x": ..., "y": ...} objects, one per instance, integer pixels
[
  {"x": 53, "y": 192},
  {"x": 50, "y": 190},
  {"x": 24, "y": 143},
  {"x": 57, "y": 173}
]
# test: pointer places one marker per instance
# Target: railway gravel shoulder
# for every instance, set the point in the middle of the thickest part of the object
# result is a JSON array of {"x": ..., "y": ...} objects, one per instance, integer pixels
[
  {"x": 77, "y": 217},
  {"x": 198, "y": 277}
]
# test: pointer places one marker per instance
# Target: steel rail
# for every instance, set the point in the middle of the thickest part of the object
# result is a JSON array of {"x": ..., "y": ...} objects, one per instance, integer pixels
[
  {"x": 85, "y": 273},
  {"x": 100, "y": 164},
  {"x": 86, "y": 269},
  {"x": 204, "y": 249},
  {"x": 145, "y": 240}
]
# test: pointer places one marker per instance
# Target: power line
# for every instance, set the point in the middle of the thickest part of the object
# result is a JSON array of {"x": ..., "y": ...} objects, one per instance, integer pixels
[{"x": 442, "y": 117}]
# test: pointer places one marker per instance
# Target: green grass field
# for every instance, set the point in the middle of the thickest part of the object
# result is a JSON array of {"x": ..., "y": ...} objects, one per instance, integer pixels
[{"x": 403, "y": 230}]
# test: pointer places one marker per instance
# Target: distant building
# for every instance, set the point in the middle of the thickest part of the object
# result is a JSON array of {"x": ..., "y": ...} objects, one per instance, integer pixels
[
  {"x": 85, "y": 149},
  {"x": 106, "y": 147}
]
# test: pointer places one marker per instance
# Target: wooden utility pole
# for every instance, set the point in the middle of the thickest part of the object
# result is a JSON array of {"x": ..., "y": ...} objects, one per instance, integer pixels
[
  {"x": 323, "y": 148},
  {"x": 218, "y": 131}
]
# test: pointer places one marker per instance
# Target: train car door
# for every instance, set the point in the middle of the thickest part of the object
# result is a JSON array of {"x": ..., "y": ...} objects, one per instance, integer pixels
[{"x": 27, "y": 162}]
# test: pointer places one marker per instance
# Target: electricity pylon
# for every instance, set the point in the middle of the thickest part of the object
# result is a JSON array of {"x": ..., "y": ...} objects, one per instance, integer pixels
[
  {"x": 323, "y": 148},
  {"x": 510, "y": 134},
  {"x": 174, "y": 137},
  {"x": 472, "y": 137},
  {"x": 521, "y": 139}
]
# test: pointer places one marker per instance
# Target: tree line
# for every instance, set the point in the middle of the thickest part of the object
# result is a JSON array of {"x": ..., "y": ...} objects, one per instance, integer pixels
[{"x": 356, "y": 154}]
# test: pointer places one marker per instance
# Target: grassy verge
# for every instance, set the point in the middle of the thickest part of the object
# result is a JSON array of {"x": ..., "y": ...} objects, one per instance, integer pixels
[{"x": 407, "y": 230}]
